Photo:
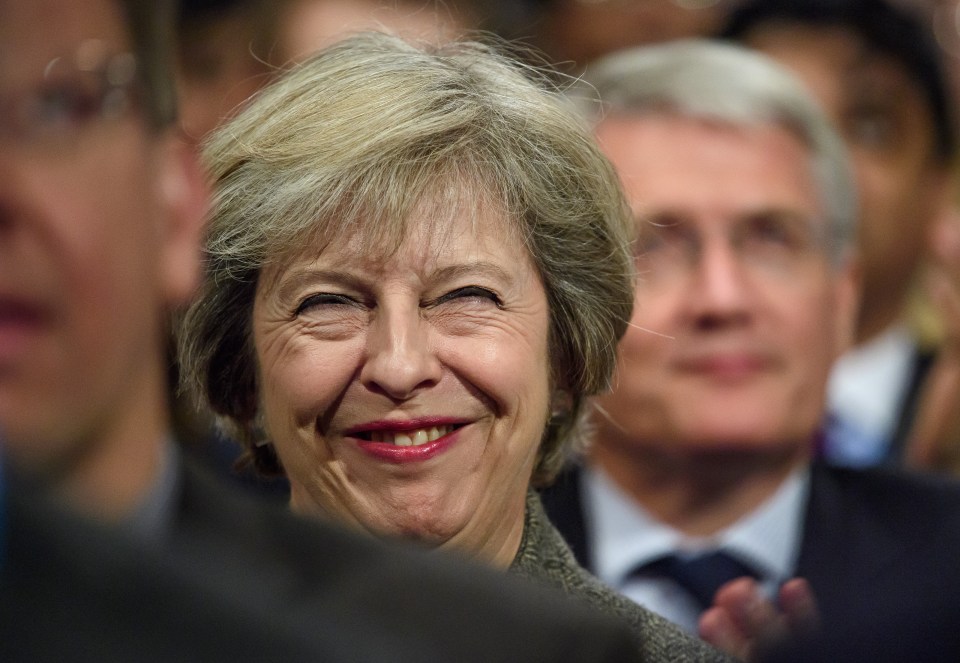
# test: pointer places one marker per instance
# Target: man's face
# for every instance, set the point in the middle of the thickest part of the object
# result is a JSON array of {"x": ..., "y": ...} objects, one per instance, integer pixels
[
  {"x": 888, "y": 128},
  {"x": 739, "y": 312},
  {"x": 89, "y": 252}
]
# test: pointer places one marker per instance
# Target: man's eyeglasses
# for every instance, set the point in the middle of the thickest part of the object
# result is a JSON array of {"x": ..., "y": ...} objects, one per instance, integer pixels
[
  {"x": 771, "y": 243},
  {"x": 73, "y": 94}
]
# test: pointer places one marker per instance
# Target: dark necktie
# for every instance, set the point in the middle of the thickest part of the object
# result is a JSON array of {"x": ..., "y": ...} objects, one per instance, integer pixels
[{"x": 701, "y": 576}]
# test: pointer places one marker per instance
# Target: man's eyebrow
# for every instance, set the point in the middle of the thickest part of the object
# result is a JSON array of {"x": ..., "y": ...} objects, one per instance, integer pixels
[{"x": 778, "y": 212}]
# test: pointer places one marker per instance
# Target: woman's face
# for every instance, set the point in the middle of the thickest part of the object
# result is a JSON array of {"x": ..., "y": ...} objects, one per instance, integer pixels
[{"x": 407, "y": 393}]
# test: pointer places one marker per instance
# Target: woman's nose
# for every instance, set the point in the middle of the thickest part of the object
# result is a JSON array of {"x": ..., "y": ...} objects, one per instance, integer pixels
[{"x": 401, "y": 359}]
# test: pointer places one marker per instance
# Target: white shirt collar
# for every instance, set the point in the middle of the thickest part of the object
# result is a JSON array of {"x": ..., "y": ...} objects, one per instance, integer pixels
[
  {"x": 623, "y": 534},
  {"x": 868, "y": 383}
]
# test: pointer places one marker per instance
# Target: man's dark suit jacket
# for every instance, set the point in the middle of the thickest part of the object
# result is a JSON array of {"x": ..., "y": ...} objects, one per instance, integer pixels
[
  {"x": 240, "y": 580},
  {"x": 880, "y": 548}
]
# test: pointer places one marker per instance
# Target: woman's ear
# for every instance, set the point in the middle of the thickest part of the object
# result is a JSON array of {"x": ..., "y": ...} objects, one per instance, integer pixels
[{"x": 185, "y": 198}]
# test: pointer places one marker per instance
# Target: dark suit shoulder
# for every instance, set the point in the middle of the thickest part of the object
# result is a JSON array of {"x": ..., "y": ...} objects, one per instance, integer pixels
[
  {"x": 903, "y": 501},
  {"x": 861, "y": 526},
  {"x": 879, "y": 548}
]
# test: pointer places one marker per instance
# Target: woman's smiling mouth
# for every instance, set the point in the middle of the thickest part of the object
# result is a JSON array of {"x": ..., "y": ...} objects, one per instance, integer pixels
[
  {"x": 402, "y": 442},
  {"x": 409, "y": 438}
]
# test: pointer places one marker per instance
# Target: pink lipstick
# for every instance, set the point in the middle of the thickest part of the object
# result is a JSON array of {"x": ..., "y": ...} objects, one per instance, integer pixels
[{"x": 407, "y": 441}]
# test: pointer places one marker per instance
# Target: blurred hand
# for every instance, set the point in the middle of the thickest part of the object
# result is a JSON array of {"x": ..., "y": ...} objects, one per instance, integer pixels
[
  {"x": 745, "y": 624},
  {"x": 936, "y": 431}
]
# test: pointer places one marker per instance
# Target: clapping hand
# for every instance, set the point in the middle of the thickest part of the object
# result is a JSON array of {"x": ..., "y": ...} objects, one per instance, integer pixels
[{"x": 745, "y": 624}]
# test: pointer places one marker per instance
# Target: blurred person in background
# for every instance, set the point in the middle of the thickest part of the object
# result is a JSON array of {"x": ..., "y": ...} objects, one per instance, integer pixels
[
  {"x": 229, "y": 49},
  {"x": 877, "y": 70},
  {"x": 575, "y": 32},
  {"x": 699, "y": 497},
  {"x": 308, "y": 26},
  {"x": 222, "y": 58}
]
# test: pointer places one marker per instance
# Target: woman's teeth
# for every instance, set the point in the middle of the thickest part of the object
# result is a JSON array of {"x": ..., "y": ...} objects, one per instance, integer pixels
[{"x": 411, "y": 438}]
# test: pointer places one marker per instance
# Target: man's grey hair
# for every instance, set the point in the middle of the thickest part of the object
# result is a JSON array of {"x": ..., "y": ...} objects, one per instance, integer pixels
[{"x": 720, "y": 82}]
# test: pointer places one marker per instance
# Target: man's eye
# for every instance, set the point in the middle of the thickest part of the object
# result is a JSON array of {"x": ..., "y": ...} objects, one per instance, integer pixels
[
  {"x": 468, "y": 292},
  {"x": 780, "y": 231},
  {"x": 665, "y": 239},
  {"x": 323, "y": 299},
  {"x": 63, "y": 106},
  {"x": 771, "y": 231}
]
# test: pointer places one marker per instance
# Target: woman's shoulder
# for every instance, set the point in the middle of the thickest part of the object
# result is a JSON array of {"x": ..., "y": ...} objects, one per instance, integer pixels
[{"x": 544, "y": 557}]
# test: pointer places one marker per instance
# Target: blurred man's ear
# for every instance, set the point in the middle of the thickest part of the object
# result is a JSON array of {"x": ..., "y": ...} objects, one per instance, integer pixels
[
  {"x": 185, "y": 197},
  {"x": 847, "y": 294}
]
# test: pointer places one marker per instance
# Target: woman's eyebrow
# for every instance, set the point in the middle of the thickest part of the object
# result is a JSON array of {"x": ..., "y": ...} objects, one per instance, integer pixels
[
  {"x": 479, "y": 268},
  {"x": 290, "y": 285}
]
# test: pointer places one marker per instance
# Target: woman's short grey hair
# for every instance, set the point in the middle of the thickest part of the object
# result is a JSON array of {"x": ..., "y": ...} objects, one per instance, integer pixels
[
  {"x": 354, "y": 141},
  {"x": 728, "y": 84}
]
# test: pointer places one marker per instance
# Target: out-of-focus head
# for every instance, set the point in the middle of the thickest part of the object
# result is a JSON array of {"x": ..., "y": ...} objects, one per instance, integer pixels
[
  {"x": 402, "y": 159},
  {"x": 746, "y": 213},
  {"x": 99, "y": 232},
  {"x": 580, "y": 31},
  {"x": 229, "y": 49},
  {"x": 307, "y": 26},
  {"x": 875, "y": 67},
  {"x": 224, "y": 50}
]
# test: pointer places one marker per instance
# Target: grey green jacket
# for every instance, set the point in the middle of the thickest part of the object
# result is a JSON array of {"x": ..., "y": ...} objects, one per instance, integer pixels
[{"x": 544, "y": 557}]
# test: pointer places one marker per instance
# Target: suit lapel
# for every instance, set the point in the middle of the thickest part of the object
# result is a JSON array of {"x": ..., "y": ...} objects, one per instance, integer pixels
[{"x": 847, "y": 544}]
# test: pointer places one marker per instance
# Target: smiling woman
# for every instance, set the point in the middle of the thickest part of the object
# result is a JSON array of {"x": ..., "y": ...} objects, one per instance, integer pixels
[
  {"x": 409, "y": 393},
  {"x": 418, "y": 270}
]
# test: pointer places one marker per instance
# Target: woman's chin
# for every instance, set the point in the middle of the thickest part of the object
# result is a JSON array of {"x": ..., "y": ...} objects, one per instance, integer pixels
[
  {"x": 430, "y": 517},
  {"x": 430, "y": 533}
]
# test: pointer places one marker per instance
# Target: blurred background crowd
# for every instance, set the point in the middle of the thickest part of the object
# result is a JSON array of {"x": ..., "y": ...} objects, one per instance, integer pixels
[
  {"x": 768, "y": 443},
  {"x": 229, "y": 49}
]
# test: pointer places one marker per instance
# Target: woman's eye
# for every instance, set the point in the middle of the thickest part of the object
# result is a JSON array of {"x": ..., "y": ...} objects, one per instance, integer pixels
[
  {"x": 323, "y": 299},
  {"x": 468, "y": 292}
]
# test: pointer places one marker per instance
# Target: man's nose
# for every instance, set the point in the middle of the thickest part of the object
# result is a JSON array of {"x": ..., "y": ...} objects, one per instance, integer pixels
[{"x": 720, "y": 287}]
